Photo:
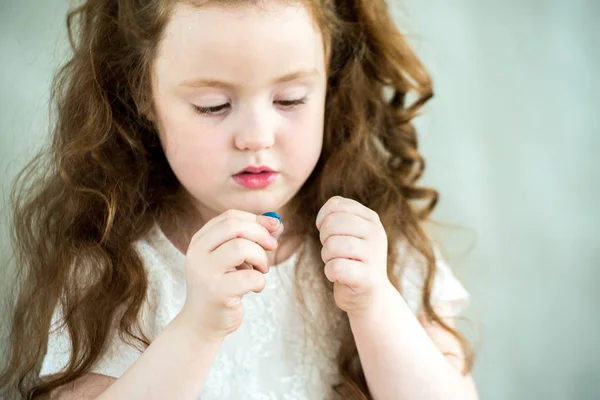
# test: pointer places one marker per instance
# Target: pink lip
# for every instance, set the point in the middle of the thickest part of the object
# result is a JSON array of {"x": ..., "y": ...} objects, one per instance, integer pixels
[
  {"x": 255, "y": 177},
  {"x": 255, "y": 169}
]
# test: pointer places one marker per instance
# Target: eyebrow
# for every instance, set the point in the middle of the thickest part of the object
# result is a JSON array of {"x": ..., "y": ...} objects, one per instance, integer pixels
[{"x": 222, "y": 84}]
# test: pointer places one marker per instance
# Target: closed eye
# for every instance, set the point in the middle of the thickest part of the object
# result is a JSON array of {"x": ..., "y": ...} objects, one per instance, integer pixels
[
  {"x": 221, "y": 108},
  {"x": 214, "y": 110},
  {"x": 287, "y": 104}
]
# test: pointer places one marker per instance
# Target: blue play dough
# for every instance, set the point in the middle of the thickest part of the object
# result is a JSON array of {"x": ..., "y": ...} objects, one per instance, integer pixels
[{"x": 273, "y": 215}]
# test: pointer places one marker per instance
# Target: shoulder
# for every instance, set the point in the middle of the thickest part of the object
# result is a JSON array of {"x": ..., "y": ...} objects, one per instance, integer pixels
[
  {"x": 411, "y": 267},
  {"x": 164, "y": 298},
  {"x": 165, "y": 266},
  {"x": 158, "y": 254}
]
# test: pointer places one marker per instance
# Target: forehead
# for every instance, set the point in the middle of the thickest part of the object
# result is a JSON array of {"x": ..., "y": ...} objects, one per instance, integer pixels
[{"x": 244, "y": 43}]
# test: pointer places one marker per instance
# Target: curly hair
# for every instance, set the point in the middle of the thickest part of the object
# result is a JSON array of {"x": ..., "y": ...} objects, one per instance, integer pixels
[{"x": 104, "y": 179}]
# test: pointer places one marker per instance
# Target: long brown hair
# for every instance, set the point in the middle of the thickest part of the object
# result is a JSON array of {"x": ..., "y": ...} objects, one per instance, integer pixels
[{"x": 80, "y": 205}]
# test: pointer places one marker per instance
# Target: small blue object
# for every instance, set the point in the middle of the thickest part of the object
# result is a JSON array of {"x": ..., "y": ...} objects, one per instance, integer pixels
[{"x": 273, "y": 215}]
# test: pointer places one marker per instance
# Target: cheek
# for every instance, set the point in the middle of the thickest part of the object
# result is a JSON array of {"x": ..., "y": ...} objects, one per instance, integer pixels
[
  {"x": 194, "y": 151},
  {"x": 310, "y": 135},
  {"x": 182, "y": 130},
  {"x": 304, "y": 142}
]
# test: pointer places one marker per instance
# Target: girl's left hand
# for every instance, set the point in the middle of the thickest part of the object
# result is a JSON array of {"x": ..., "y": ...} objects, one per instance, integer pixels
[{"x": 355, "y": 254}]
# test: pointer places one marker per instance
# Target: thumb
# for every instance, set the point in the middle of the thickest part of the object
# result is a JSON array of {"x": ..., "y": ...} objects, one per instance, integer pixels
[{"x": 279, "y": 230}]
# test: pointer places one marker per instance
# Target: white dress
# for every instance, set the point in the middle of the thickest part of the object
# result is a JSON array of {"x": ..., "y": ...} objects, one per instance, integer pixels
[{"x": 272, "y": 355}]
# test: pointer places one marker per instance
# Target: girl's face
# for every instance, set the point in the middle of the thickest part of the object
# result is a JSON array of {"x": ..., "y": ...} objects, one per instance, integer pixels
[{"x": 238, "y": 88}]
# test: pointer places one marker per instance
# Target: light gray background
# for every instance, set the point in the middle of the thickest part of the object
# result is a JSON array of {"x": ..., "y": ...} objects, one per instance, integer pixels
[{"x": 510, "y": 138}]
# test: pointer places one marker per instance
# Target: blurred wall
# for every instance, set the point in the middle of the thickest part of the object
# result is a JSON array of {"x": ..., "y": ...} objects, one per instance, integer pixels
[{"x": 510, "y": 139}]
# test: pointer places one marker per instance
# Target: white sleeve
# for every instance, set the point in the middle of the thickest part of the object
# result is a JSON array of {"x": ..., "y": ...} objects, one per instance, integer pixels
[
  {"x": 114, "y": 362},
  {"x": 447, "y": 290}
]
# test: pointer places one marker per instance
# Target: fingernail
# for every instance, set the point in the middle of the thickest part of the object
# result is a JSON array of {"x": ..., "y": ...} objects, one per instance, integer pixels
[{"x": 275, "y": 218}]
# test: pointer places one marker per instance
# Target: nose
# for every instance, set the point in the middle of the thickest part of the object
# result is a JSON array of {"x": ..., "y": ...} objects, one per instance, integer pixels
[{"x": 255, "y": 131}]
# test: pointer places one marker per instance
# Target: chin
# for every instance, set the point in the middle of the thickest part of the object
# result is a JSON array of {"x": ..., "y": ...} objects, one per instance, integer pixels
[{"x": 258, "y": 203}]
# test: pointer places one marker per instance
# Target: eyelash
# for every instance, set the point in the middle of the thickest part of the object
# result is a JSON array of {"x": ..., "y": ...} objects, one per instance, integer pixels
[{"x": 212, "y": 111}]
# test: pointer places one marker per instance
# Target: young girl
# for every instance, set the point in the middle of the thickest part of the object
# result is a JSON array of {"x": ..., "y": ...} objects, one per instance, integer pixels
[{"x": 148, "y": 270}]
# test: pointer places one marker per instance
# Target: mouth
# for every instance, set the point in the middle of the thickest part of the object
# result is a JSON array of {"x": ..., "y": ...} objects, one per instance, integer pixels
[
  {"x": 255, "y": 170},
  {"x": 255, "y": 177}
]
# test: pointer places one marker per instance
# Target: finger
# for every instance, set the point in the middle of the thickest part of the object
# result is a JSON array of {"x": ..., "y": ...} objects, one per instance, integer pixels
[
  {"x": 243, "y": 265},
  {"x": 232, "y": 228},
  {"x": 241, "y": 282},
  {"x": 237, "y": 251},
  {"x": 264, "y": 221},
  {"x": 341, "y": 204},
  {"x": 278, "y": 232},
  {"x": 270, "y": 223},
  {"x": 231, "y": 213},
  {"x": 344, "y": 224},
  {"x": 344, "y": 247},
  {"x": 344, "y": 271}
]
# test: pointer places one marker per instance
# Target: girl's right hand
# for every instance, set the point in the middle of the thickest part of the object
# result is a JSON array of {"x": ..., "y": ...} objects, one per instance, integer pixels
[{"x": 215, "y": 277}]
